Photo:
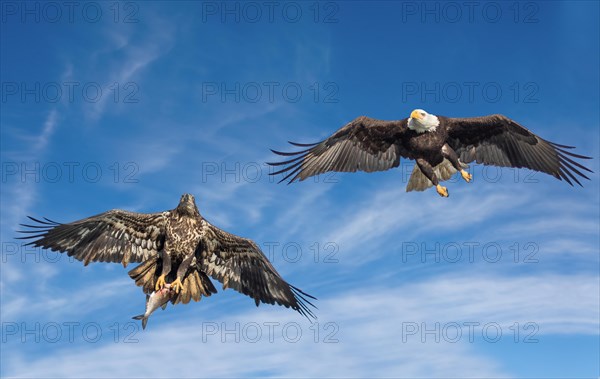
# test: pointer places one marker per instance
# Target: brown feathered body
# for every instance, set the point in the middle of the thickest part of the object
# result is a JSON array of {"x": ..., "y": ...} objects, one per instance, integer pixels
[
  {"x": 180, "y": 244},
  {"x": 367, "y": 144}
]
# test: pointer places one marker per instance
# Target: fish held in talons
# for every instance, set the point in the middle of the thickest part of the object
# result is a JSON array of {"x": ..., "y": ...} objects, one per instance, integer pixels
[
  {"x": 158, "y": 299},
  {"x": 176, "y": 244}
]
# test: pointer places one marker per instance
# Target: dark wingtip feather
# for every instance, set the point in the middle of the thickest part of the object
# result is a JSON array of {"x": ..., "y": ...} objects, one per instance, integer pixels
[
  {"x": 303, "y": 144},
  {"x": 30, "y": 231},
  {"x": 564, "y": 176},
  {"x": 286, "y": 168},
  {"x": 574, "y": 178},
  {"x": 38, "y": 231},
  {"x": 561, "y": 146},
  {"x": 573, "y": 154},
  {"x": 568, "y": 163},
  {"x": 296, "y": 171},
  {"x": 287, "y": 162},
  {"x": 28, "y": 237},
  {"x": 46, "y": 221},
  {"x": 304, "y": 303},
  {"x": 36, "y": 226},
  {"x": 568, "y": 167},
  {"x": 294, "y": 164},
  {"x": 302, "y": 292},
  {"x": 289, "y": 154}
]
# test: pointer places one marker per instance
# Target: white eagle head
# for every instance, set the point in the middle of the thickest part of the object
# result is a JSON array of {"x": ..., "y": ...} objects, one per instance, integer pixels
[
  {"x": 421, "y": 121},
  {"x": 187, "y": 205}
]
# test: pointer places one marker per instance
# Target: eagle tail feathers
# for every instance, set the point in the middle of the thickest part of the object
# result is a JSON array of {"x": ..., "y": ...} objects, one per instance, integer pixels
[
  {"x": 144, "y": 275},
  {"x": 195, "y": 284},
  {"x": 444, "y": 171}
]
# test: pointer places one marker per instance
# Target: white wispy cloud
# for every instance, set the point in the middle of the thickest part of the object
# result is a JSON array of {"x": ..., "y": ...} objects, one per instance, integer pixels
[
  {"x": 47, "y": 130},
  {"x": 121, "y": 59},
  {"x": 19, "y": 193},
  {"x": 369, "y": 325},
  {"x": 368, "y": 295},
  {"x": 18, "y": 196},
  {"x": 390, "y": 212}
]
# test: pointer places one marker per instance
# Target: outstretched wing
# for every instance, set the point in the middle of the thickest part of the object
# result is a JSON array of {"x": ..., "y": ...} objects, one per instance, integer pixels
[
  {"x": 364, "y": 144},
  {"x": 499, "y": 141},
  {"x": 240, "y": 264},
  {"x": 113, "y": 236}
]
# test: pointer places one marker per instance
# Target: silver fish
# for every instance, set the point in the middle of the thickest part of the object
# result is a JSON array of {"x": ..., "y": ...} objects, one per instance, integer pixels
[{"x": 158, "y": 299}]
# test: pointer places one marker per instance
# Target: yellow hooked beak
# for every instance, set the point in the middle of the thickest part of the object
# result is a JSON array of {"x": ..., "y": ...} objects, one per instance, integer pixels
[{"x": 416, "y": 114}]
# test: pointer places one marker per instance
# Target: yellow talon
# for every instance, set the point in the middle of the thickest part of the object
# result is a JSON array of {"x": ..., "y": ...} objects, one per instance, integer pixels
[
  {"x": 160, "y": 283},
  {"x": 466, "y": 176},
  {"x": 176, "y": 285},
  {"x": 443, "y": 191}
]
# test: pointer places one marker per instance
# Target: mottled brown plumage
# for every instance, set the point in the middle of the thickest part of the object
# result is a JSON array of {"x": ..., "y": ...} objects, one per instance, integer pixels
[
  {"x": 178, "y": 247},
  {"x": 441, "y": 146}
]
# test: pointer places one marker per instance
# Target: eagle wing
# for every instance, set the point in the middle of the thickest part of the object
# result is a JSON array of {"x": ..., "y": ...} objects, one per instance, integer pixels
[
  {"x": 113, "y": 236},
  {"x": 499, "y": 141},
  {"x": 240, "y": 264},
  {"x": 364, "y": 144}
]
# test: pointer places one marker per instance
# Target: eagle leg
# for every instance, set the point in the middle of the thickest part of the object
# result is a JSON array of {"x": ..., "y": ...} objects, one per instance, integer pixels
[
  {"x": 443, "y": 191},
  {"x": 166, "y": 269},
  {"x": 181, "y": 271},
  {"x": 466, "y": 176},
  {"x": 177, "y": 285},
  {"x": 427, "y": 170},
  {"x": 450, "y": 154},
  {"x": 160, "y": 282}
]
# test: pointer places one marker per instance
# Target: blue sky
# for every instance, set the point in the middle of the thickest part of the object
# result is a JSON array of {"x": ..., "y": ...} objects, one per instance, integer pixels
[{"x": 128, "y": 105}]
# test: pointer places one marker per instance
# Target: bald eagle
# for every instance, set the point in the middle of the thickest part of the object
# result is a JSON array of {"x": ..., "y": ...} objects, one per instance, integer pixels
[
  {"x": 441, "y": 146},
  {"x": 178, "y": 247}
]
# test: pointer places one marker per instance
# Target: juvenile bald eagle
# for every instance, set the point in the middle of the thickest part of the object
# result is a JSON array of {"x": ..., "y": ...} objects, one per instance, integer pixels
[
  {"x": 177, "y": 246},
  {"x": 441, "y": 146}
]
